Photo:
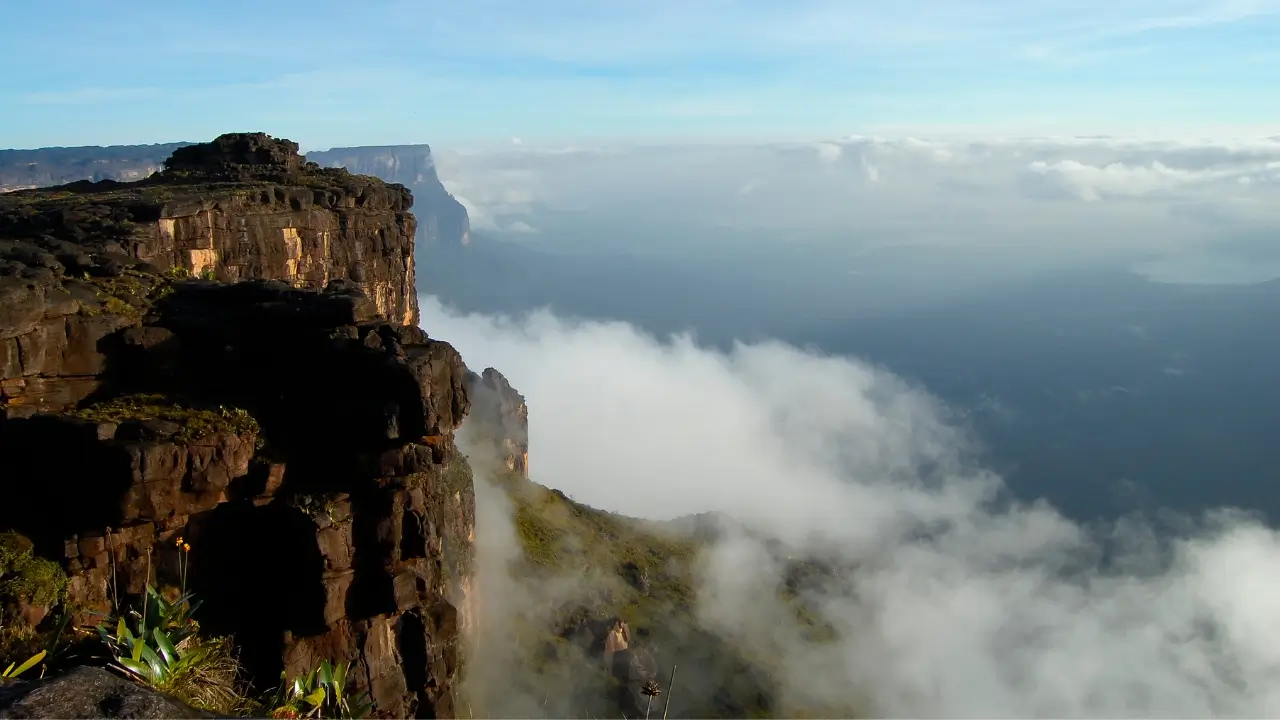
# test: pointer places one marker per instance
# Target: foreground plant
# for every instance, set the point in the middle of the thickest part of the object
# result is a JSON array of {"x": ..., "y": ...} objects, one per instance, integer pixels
[
  {"x": 320, "y": 693},
  {"x": 14, "y": 669},
  {"x": 162, "y": 651}
]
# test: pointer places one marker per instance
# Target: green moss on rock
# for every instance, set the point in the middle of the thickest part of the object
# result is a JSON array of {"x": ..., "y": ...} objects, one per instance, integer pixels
[
  {"x": 194, "y": 423},
  {"x": 25, "y": 576},
  {"x": 130, "y": 294}
]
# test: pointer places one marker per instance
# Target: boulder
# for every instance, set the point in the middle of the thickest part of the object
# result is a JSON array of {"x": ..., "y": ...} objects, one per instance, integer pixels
[{"x": 89, "y": 692}]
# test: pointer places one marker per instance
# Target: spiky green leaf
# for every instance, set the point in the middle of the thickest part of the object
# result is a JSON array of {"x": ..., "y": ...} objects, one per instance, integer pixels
[
  {"x": 136, "y": 668},
  {"x": 340, "y": 675},
  {"x": 166, "y": 648},
  {"x": 157, "y": 665},
  {"x": 30, "y": 663},
  {"x": 316, "y": 697}
]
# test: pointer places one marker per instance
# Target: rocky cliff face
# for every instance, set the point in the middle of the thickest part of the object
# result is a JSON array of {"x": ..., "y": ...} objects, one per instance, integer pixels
[
  {"x": 21, "y": 169},
  {"x": 443, "y": 219},
  {"x": 296, "y": 429},
  {"x": 275, "y": 218}
]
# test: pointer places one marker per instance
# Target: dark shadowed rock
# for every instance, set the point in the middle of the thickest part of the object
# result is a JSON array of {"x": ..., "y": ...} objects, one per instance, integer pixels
[
  {"x": 89, "y": 692},
  {"x": 359, "y": 517},
  {"x": 635, "y": 576},
  {"x": 237, "y": 156}
]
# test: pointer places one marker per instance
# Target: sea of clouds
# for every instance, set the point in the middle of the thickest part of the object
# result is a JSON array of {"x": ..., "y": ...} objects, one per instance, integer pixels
[{"x": 963, "y": 604}]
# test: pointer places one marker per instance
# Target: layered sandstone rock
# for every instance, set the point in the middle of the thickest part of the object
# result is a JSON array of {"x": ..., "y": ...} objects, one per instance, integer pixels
[
  {"x": 245, "y": 206},
  {"x": 299, "y": 440}
]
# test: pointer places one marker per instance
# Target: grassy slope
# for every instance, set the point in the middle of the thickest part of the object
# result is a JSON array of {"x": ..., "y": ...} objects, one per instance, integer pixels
[{"x": 604, "y": 553}]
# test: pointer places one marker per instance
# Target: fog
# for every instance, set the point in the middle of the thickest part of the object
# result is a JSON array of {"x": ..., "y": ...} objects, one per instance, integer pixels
[
  {"x": 1184, "y": 209},
  {"x": 963, "y": 602},
  {"x": 1094, "y": 306}
]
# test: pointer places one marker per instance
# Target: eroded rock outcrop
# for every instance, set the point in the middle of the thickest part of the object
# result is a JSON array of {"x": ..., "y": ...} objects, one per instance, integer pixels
[
  {"x": 295, "y": 430},
  {"x": 245, "y": 206},
  {"x": 499, "y": 419}
]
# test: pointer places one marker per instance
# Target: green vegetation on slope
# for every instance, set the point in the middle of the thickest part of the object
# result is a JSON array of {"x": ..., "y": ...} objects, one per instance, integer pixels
[
  {"x": 558, "y": 533},
  {"x": 586, "y": 565}
]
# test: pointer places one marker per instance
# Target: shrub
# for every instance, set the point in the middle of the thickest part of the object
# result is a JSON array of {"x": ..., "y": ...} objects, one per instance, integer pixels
[
  {"x": 24, "y": 576},
  {"x": 157, "y": 646},
  {"x": 321, "y": 693}
]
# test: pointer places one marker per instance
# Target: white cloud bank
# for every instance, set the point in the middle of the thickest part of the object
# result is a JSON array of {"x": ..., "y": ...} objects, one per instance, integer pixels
[
  {"x": 959, "y": 606},
  {"x": 1047, "y": 200}
]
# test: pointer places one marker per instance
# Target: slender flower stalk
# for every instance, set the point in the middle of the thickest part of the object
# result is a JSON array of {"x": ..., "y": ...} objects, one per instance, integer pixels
[
  {"x": 111, "y": 555},
  {"x": 146, "y": 585},
  {"x": 184, "y": 548}
]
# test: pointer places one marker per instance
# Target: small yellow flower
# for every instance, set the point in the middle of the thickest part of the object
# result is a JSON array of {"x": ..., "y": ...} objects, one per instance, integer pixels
[
  {"x": 178, "y": 541},
  {"x": 186, "y": 547}
]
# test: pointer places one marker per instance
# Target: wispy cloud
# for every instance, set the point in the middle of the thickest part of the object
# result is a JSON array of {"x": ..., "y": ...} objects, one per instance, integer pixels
[
  {"x": 1041, "y": 200},
  {"x": 448, "y": 72},
  {"x": 1107, "y": 35}
]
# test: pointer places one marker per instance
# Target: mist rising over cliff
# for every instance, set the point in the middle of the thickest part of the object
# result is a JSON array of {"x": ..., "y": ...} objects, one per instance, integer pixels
[{"x": 962, "y": 602}]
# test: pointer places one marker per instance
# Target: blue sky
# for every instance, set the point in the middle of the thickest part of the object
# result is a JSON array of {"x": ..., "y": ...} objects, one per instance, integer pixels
[{"x": 480, "y": 71}]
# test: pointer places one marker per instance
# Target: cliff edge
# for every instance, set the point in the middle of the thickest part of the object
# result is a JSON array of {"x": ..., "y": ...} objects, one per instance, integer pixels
[
  {"x": 444, "y": 220},
  {"x": 245, "y": 206},
  {"x": 215, "y": 377}
]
